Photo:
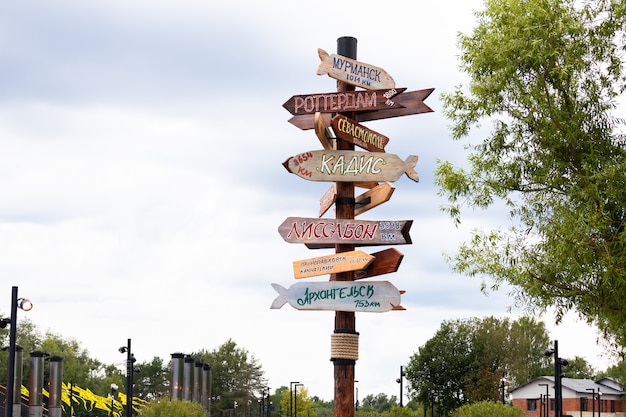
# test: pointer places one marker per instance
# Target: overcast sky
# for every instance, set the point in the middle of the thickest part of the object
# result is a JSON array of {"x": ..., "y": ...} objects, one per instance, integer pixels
[{"x": 141, "y": 178}]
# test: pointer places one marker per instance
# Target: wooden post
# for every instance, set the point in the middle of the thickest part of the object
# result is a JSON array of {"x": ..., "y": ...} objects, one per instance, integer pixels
[{"x": 344, "y": 320}]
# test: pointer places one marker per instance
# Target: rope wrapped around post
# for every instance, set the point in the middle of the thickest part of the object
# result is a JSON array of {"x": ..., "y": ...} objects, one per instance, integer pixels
[{"x": 344, "y": 344}]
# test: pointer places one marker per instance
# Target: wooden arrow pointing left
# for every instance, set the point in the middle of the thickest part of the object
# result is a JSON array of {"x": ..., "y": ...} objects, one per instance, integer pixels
[
  {"x": 343, "y": 101},
  {"x": 351, "y": 166},
  {"x": 412, "y": 102}
]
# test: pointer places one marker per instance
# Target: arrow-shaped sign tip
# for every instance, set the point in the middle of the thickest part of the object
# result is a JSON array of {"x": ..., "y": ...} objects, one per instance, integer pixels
[
  {"x": 322, "y": 69},
  {"x": 410, "y": 163},
  {"x": 282, "y": 298}
]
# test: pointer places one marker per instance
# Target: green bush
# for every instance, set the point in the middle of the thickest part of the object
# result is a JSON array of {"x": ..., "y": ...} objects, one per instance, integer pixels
[
  {"x": 176, "y": 408},
  {"x": 487, "y": 409}
]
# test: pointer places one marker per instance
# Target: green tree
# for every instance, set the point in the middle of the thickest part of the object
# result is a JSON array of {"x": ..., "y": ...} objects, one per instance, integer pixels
[
  {"x": 466, "y": 359},
  {"x": 177, "y": 408},
  {"x": 321, "y": 408},
  {"x": 152, "y": 381},
  {"x": 378, "y": 403},
  {"x": 28, "y": 338},
  {"x": 579, "y": 368},
  {"x": 547, "y": 75},
  {"x": 301, "y": 403},
  {"x": 78, "y": 366},
  {"x": 617, "y": 372},
  {"x": 236, "y": 376},
  {"x": 437, "y": 373},
  {"x": 487, "y": 409}
]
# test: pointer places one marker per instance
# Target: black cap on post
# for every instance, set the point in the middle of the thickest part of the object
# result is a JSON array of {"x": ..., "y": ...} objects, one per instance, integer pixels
[{"x": 346, "y": 46}]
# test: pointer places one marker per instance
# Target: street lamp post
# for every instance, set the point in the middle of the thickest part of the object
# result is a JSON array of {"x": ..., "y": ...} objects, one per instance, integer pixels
[
  {"x": 356, "y": 403},
  {"x": 503, "y": 387},
  {"x": 399, "y": 381},
  {"x": 593, "y": 401},
  {"x": 25, "y": 305},
  {"x": 295, "y": 398},
  {"x": 547, "y": 400},
  {"x": 558, "y": 375},
  {"x": 130, "y": 369},
  {"x": 113, "y": 391},
  {"x": 291, "y": 397}
]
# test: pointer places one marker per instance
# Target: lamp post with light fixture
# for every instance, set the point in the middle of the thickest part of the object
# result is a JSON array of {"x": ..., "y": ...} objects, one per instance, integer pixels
[
  {"x": 130, "y": 369},
  {"x": 25, "y": 305},
  {"x": 295, "y": 398},
  {"x": 544, "y": 403},
  {"x": 399, "y": 381},
  {"x": 291, "y": 397},
  {"x": 558, "y": 375},
  {"x": 503, "y": 382}
]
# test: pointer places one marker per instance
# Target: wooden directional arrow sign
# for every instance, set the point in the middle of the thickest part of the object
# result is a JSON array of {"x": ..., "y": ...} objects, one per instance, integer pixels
[
  {"x": 351, "y": 131},
  {"x": 328, "y": 199},
  {"x": 332, "y": 264},
  {"x": 351, "y": 166},
  {"x": 373, "y": 198},
  {"x": 385, "y": 262},
  {"x": 353, "y": 72},
  {"x": 344, "y": 101},
  {"x": 324, "y": 133},
  {"x": 374, "y": 296},
  {"x": 325, "y": 233},
  {"x": 412, "y": 102}
]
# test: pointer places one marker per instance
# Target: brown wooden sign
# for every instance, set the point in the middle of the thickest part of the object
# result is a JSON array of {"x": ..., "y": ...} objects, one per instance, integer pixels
[
  {"x": 353, "y": 72},
  {"x": 328, "y": 199},
  {"x": 373, "y": 198},
  {"x": 372, "y": 296},
  {"x": 326, "y": 233},
  {"x": 361, "y": 100},
  {"x": 351, "y": 131},
  {"x": 351, "y": 166},
  {"x": 324, "y": 133},
  {"x": 332, "y": 264},
  {"x": 412, "y": 102},
  {"x": 385, "y": 262}
]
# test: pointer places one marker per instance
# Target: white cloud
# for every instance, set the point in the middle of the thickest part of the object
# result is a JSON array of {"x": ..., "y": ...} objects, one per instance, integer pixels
[{"x": 141, "y": 184}]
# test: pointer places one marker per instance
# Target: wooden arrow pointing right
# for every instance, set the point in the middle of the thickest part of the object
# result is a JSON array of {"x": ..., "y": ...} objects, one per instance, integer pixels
[
  {"x": 373, "y": 198},
  {"x": 385, "y": 262},
  {"x": 359, "y": 135},
  {"x": 353, "y": 72},
  {"x": 323, "y": 132}
]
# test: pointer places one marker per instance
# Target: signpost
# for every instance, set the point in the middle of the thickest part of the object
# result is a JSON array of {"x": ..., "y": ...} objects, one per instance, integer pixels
[
  {"x": 326, "y": 233},
  {"x": 345, "y": 292},
  {"x": 370, "y": 296},
  {"x": 349, "y": 166},
  {"x": 362, "y": 100},
  {"x": 332, "y": 264},
  {"x": 353, "y": 72}
]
